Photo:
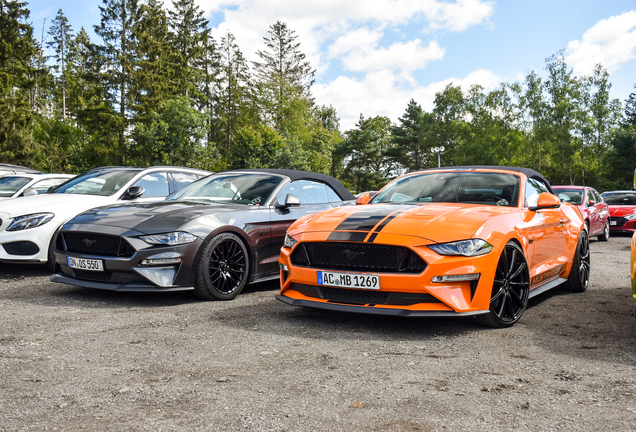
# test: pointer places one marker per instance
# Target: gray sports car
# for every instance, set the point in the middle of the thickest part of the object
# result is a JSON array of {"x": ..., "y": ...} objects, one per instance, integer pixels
[{"x": 214, "y": 236}]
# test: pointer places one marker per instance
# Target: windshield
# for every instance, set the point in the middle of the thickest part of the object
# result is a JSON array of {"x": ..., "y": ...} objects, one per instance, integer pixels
[
  {"x": 454, "y": 187},
  {"x": 10, "y": 185},
  {"x": 625, "y": 198},
  {"x": 572, "y": 196},
  {"x": 250, "y": 189},
  {"x": 104, "y": 183}
]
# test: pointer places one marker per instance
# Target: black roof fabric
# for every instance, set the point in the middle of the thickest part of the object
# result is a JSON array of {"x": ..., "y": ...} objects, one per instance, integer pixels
[
  {"x": 528, "y": 172},
  {"x": 334, "y": 183}
]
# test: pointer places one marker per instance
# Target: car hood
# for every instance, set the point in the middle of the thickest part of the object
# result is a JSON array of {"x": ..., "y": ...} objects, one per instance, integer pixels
[
  {"x": 63, "y": 205},
  {"x": 438, "y": 222},
  {"x": 621, "y": 210},
  {"x": 162, "y": 216}
]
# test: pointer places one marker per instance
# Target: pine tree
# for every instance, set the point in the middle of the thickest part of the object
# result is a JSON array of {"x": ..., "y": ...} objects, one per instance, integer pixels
[
  {"x": 153, "y": 80},
  {"x": 232, "y": 92},
  {"x": 189, "y": 34},
  {"x": 17, "y": 72},
  {"x": 630, "y": 110},
  {"x": 118, "y": 20},
  {"x": 283, "y": 76},
  {"x": 61, "y": 32},
  {"x": 408, "y": 151}
]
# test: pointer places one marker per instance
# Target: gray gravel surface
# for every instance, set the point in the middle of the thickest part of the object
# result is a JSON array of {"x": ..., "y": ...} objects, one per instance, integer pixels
[{"x": 77, "y": 359}]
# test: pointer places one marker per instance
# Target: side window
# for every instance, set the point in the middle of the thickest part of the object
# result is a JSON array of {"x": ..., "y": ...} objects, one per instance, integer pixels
[
  {"x": 332, "y": 196},
  {"x": 44, "y": 185},
  {"x": 590, "y": 196},
  {"x": 534, "y": 188},
  {"x": 181, "y": 180},
  {"x": 154, "y": 184},
  {"x": 309, "y": 192}
]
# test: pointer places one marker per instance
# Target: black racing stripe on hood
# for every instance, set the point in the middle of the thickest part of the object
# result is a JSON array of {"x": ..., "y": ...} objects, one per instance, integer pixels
[
  {"x": 389, "y": 219},
  {"x": 363, "y": 220},
  {"x": 347, "y": 236}
]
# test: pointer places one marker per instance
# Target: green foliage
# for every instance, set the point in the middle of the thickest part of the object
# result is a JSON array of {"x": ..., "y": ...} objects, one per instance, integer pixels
[
  {"x": 620, "y": 160},
  {"x": 174, "y": 136}
]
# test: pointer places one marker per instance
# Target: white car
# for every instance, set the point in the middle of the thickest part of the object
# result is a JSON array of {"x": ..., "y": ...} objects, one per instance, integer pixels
[
  {"x": 17, "y": 185},
  {"x": 28, "y": 224}
]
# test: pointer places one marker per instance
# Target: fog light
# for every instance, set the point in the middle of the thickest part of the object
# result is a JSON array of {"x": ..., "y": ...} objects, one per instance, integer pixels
[
  {"x": 161, "y": 261},
  {"x": 456, "y": 278}
]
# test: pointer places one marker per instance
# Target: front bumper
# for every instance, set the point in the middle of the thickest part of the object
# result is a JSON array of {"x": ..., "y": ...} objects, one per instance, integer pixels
[
  {"x": 25, "y": 246},
  {"x": 400, "y": 294},
  {"x": 128, "y": 273}
]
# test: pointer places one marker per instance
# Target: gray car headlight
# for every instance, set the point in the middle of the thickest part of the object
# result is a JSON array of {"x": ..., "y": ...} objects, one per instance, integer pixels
[
  {"x": 30, "y": 221},
  {"x": 170, "y": 239},
  {"x": 467, "y": 248},
  {"x": 289, "y": 241}
]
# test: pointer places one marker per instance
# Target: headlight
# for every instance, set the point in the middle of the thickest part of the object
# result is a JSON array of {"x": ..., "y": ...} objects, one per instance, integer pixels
[
  {"x": 289, "y": 241},
  {"x": 631, "y": 216},
  {"x": 465, "y": 247},
  {"x": 30, "y": 221},
  {"x": 170, "y": 239}
]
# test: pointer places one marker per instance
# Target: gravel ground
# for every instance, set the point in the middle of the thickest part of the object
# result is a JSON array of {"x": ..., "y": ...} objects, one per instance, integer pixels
[{"x": 78, "y": 359}]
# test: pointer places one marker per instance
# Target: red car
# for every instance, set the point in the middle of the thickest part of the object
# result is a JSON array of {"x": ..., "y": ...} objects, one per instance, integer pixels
[
  {"x": 622, "y": 208},
  {"x": 595, "y": 211}
]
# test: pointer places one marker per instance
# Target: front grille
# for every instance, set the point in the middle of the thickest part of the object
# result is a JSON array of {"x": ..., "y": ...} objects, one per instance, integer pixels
[
  {"x": 95, "y": 244},
  {"x": 340, "y": 295},
  {"x": 93, "y": 275},
  {"x": 619, "y": 221},
  {"x": 22, "y": 248},
  {"x": 357, "y": 257}
]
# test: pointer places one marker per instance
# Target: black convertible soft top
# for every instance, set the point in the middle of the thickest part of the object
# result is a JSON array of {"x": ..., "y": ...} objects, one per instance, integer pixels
[
  {"x": 334, "y": 183},
  {"x": 528, "y": 172}
]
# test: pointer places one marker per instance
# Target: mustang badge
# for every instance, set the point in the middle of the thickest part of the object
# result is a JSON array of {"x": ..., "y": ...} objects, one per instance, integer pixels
[
  {"x": 350, "y": 255},
  {"x": 88, "y": 242}
]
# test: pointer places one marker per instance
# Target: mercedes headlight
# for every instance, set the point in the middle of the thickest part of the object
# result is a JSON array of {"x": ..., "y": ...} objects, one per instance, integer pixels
[
  {"x": 170, "y": 239},
  {"x": 30, "y": 221},
  {"x": 467, "y": 248},
  {"x": 289, "y": 241}
]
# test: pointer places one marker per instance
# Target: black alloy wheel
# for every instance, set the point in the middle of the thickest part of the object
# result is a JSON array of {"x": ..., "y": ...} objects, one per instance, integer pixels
[
  {"x": 579, "y": 277},
  {"x": 606, "y": 232},
  {"x": 511, "y": 289},
  {"x": 223, "y": 269}
]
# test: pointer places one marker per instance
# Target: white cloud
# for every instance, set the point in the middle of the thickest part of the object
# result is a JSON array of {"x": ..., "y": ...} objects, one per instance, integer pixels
[
  {"x": 382, "y": 93},
  {"x": 611, "y": 42}
]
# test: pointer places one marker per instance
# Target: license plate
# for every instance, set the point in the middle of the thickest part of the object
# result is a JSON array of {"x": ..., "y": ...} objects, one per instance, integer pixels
[
  {"x": 349, "y": 280},
  {"x": 612, "y": 222},
  {"x": 85, "y": 264}
]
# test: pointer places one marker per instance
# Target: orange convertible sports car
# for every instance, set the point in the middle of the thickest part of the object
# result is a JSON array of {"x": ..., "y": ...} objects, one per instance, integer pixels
[{"x": 459, "y": 241}]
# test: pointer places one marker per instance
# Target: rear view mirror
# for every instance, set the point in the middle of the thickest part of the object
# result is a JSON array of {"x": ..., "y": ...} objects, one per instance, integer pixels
[
  {"x": 133, "y": 192},
  {"x": 290, "y": 201}
]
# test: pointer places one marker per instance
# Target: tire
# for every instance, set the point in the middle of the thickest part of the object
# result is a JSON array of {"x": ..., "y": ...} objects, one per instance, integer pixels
[
  {"x": 510, "y": 291},
  {"x": 50, "y": 257},
  {"x": 580, "y": 274},
  {"x": 606, "y": 232},
  {"x": 223, "y": 268}
]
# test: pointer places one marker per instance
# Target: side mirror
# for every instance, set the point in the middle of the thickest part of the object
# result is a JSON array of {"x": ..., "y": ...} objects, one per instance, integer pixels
[
  {"x": 591, "y": 203},
  {"x": 290, "y": 201},
  {"x": 363, "y": 199},
  {"x": 29, "y": 192},
  {"x": 546, "y": 200},
  {"x": 133, "y": 192}
]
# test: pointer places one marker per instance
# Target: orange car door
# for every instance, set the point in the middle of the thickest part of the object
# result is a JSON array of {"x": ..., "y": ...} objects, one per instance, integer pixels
[{"x": 548, "y": 232}]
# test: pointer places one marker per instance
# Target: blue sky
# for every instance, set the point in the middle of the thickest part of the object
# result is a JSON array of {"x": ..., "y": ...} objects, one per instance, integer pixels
[{"x": 373, "y": 56}]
